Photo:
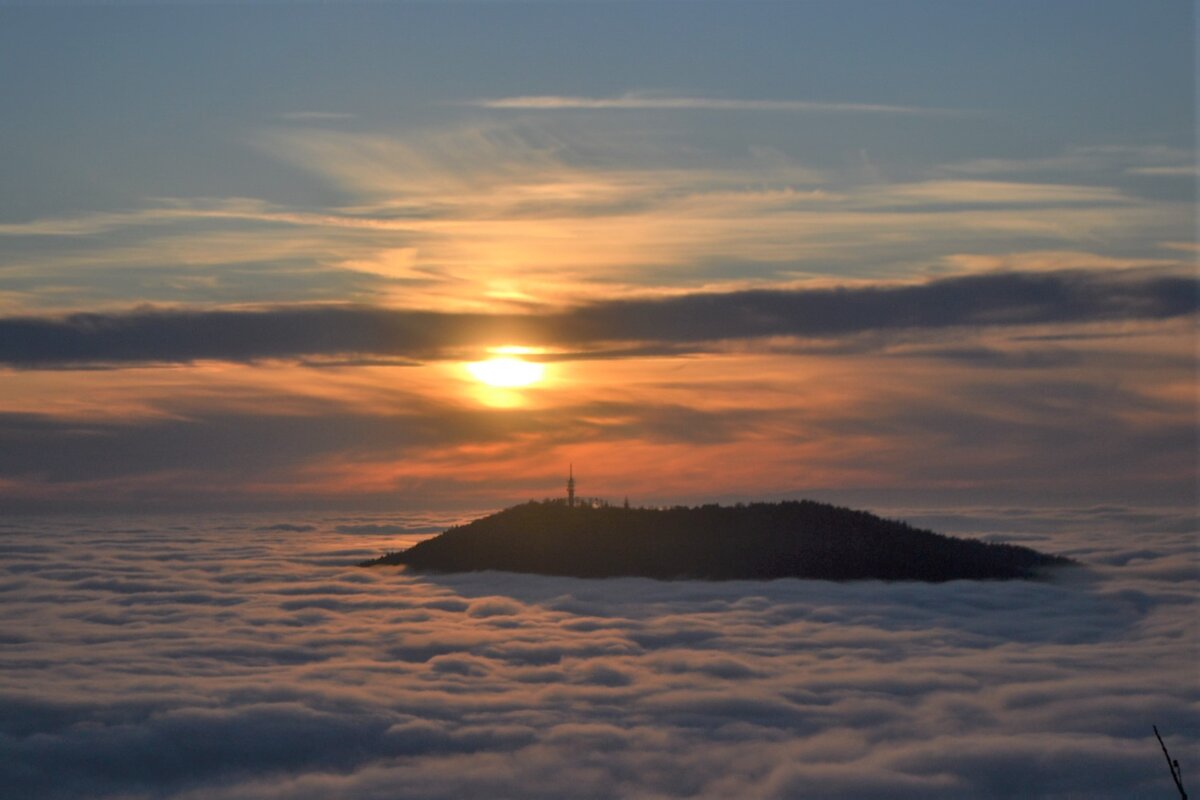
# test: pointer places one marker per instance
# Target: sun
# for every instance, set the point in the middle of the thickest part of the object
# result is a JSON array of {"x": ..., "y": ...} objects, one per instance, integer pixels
[{"x": 506, "y": 372}]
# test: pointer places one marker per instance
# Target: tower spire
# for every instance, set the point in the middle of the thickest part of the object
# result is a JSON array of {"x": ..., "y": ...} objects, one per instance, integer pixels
[{"x": 571, "y": 487}]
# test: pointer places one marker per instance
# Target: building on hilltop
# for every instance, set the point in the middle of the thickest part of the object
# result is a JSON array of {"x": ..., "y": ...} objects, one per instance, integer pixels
[{"x": 571, "y": 487}]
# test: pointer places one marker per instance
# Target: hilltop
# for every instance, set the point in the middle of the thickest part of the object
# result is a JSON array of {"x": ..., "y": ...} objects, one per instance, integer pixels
[{"x": 795, "y": 539}]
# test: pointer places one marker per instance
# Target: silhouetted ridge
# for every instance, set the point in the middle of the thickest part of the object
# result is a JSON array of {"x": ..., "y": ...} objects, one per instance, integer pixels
[{"x": 801, "y": 539}]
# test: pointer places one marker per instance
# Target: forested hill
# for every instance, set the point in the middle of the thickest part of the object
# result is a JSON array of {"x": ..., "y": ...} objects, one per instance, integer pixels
[{"x": 758, "y": 541}]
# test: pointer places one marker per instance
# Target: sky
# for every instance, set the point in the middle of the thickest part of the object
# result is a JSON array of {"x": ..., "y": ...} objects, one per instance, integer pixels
[{"x": 862, "y": 251}]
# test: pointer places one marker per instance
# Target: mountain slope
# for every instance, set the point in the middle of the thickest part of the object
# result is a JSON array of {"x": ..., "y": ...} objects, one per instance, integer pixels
[{"x": 801, "y": 539}]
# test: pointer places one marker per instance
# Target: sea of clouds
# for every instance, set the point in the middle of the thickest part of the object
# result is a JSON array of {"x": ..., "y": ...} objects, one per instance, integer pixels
[{"x": 247, "y": 657}]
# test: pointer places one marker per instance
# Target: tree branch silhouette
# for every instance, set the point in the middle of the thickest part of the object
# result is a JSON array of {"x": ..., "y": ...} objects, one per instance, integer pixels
[{"x": 1176, "y": 773}]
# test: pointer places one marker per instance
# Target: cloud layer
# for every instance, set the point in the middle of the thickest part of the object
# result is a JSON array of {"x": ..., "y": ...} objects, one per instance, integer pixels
[
  {"x": 244, "y": 657},
  {"x": 1000, "y": 299}
]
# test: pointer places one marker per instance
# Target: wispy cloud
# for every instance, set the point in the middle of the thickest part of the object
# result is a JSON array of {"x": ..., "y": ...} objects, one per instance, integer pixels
[
  {"x": 1144, "y": 159},
  {"x": 479, "y": 217},
  {"x": 173, "y": 211},
  {"x": 1181, "y": 171},
  {"x": 636, "y": 101},
  {"x": 1000, "y": 193}
]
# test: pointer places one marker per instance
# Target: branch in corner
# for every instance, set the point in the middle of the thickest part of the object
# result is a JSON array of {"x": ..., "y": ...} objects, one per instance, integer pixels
[{"x": 1176, "y": 773}]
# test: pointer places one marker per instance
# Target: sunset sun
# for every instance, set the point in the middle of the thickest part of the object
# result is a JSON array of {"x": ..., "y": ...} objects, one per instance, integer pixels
[{"x": 506, "y": 372}]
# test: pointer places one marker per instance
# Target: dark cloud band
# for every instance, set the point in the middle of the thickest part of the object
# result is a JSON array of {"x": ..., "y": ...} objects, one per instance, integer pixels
[{"x": 337, "y": 331}]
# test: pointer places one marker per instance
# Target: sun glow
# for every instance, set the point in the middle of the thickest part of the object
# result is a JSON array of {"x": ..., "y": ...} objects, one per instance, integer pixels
[{"x": 506, "y": 371}]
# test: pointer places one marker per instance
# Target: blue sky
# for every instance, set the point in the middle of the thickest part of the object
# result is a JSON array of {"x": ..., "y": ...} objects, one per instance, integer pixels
[{"x": 109, "y": 105}]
